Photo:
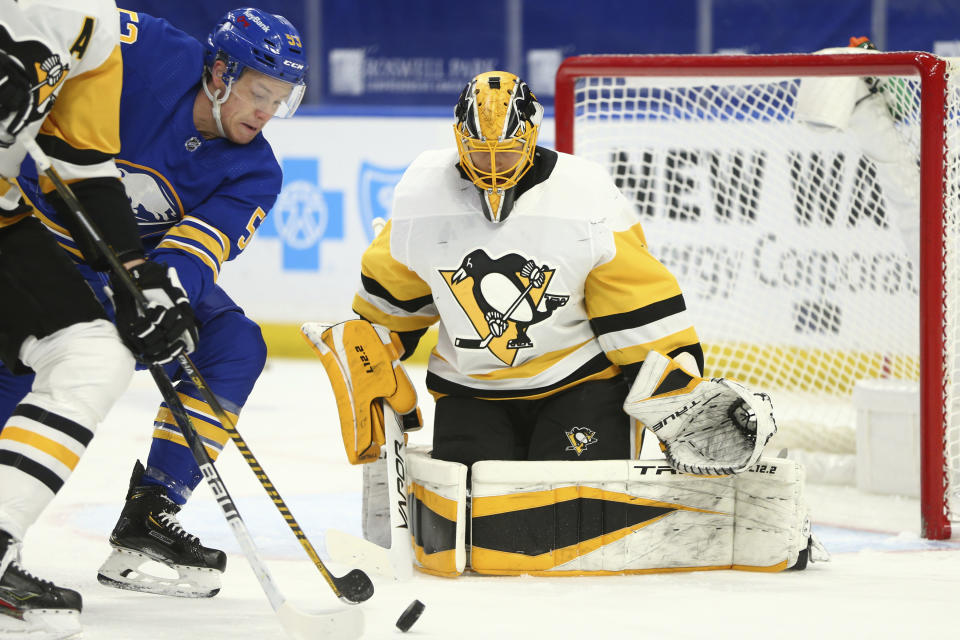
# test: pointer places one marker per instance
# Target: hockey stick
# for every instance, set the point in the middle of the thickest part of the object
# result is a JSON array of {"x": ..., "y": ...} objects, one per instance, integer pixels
[
  {"x": 476, "y": 343},
  {"x": 298, "y": 624},
  {"x": 397, "y": 560},
  {"x": 401, "y": 545},
  {"x": 355, "y": 586}
]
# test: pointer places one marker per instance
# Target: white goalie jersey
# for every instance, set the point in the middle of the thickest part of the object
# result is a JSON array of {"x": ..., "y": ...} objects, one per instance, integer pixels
[{"x": 563, "y": 291}]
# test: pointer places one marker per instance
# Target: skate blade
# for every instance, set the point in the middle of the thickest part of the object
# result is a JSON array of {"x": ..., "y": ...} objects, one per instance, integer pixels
[
  {"x": 124, "y": 570},
  {"x": 41, "y": 624}
]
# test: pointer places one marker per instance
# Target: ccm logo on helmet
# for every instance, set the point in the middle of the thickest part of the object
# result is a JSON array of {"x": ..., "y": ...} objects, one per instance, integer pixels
[{"x": 295, "y": 65}]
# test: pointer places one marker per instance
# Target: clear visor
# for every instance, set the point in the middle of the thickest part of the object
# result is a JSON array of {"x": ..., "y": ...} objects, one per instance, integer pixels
[{"x": 278, "y": 98}]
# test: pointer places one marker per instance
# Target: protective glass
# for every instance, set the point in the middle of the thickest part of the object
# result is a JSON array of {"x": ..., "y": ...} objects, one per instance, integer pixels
[{"x": 278, "y": 98}]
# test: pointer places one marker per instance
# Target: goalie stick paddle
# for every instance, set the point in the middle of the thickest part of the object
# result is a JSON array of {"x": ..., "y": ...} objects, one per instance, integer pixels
[
  {"x": 478, "y": 343},
  {"x": 346, "y": 624},
  {"x": 401, "y": 545},
  {"x": 397, "y": 560}
]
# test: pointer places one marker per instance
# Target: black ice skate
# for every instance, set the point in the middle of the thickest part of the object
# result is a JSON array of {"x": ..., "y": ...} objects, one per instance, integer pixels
[
  {"x": 148, "y": 530},
  {"x": 31, "y": 607}
]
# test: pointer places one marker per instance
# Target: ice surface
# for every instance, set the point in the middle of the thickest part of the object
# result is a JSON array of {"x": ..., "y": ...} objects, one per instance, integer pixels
[{"x": 884, "y": 581}]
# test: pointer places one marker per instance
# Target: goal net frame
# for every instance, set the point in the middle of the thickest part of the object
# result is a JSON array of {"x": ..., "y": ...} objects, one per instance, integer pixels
[{"x": 932, "y": 72}]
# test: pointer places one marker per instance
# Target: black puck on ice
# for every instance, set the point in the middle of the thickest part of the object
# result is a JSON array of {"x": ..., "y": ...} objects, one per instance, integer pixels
[{"x": 410, "y": 615}]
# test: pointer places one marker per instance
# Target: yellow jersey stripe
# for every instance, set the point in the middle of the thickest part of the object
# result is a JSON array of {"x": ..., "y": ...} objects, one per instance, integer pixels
[
  {"x": 205, "y": 429},
  {"x": 50, "y": 447},
  {"x": 392, "y": 275},
  {"x": 170, "y": 243},
  {"x": 177, "y": 438},
  {"x": 632, "y": 280},
  {"x": 201, "y": 237},
  {"x": 86, "y": 114},
  {"x": 396, "y": 323}
]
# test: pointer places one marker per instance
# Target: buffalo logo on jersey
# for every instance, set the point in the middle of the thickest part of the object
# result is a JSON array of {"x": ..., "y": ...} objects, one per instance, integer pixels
[
  {"x": 502, "y": 297},
  {"x": 580, "y": 438},
  {"x": 152, "y": 198}
]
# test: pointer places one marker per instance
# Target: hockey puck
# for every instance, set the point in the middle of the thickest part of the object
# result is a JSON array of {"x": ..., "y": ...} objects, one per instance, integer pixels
[{"x": 410, "y": 615}]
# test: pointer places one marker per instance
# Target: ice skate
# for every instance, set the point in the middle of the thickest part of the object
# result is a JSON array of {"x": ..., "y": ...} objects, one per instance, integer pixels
[
  {"x": 148, "y": 531},
  {"x": 31, "y": 607}
]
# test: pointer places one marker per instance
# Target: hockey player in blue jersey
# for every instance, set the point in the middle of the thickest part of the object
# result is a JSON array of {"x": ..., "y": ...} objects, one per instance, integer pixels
[{"x": 200, "y": 178}]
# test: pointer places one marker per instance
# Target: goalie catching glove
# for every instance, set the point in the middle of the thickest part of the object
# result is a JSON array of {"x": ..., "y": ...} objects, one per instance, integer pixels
[
  {"x": 710, "y": 427},
  {"x": 362, "y": 361}
]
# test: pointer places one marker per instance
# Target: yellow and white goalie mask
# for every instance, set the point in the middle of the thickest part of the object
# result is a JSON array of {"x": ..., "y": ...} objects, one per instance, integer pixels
[{"x": 498, "y": 119}]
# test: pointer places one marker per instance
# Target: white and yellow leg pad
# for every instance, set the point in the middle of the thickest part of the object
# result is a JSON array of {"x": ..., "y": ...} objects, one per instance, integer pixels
[
  {"x": 605, "y": 517},
  {"x": 634, "y": 516},
  {"x": 437, "y": 498}
]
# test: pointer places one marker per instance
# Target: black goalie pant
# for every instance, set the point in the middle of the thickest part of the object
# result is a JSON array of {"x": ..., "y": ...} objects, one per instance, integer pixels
[
  {"x": 41, "y": 290},
  {"x": 585, "y": 422}
]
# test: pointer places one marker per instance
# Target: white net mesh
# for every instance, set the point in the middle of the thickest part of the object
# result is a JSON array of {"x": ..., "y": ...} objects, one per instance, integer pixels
[{"x": 788, "y": 209}]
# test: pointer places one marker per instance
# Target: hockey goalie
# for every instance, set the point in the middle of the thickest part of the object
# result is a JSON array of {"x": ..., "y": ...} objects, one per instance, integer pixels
[{"x": 562, "y": 341}]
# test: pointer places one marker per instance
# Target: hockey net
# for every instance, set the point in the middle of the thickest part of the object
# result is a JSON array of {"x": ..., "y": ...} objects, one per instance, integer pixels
[{"x": 791, "y": 220}]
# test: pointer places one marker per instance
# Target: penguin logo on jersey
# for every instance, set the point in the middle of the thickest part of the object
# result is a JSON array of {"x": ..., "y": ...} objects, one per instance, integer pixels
[
  {"x": 151, "y": 196},
  {"x": 502, "y": 297},
  {"x": 580, "y": 438},
  {"x": 43, "y": 70}
]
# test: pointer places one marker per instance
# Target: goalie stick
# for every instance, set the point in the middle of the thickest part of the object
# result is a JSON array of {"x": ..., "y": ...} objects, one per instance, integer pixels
[
  {"x": 397, "y": 560},
  {"x": 340, "y": 624},
  {"x": 477, "y": 343}
]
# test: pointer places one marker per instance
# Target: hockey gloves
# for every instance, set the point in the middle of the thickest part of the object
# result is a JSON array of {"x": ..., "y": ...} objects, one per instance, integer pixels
[
  {"x": 166, "y": 329},
  {"x": 16, "y": 99},
  {"x": 362, "y": 361},
  {"x": 710, "y": 427}
]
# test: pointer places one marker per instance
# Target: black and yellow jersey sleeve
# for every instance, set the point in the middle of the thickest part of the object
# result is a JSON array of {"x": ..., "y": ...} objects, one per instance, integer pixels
[
  {"x": 82, "y": 131},
  {"x": 391, "y": 293},
  {"x": 635, "y": 304}
]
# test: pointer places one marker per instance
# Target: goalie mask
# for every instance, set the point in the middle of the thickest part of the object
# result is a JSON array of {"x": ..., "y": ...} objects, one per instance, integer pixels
[{"x": 498, "y": 119}]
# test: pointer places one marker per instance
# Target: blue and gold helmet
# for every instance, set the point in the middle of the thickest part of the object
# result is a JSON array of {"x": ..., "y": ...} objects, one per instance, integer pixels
[{"x": 249, "y": 38}]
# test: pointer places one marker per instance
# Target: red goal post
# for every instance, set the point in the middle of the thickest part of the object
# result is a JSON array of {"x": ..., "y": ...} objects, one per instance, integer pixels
[{"x": 609, "y": 97}]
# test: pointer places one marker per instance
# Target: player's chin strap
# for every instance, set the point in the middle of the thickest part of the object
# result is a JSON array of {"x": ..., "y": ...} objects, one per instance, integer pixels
[{"x": 217, "y": 101}]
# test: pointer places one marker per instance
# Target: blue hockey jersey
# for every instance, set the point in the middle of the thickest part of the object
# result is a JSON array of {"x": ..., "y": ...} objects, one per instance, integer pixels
[{"x": 197, "y": 202}]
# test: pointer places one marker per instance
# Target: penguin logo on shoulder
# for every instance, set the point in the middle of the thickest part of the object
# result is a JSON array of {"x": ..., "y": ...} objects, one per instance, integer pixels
[{"x": 502, "y": 297}]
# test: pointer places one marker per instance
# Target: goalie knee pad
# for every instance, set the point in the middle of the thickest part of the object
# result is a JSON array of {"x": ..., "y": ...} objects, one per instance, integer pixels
[{"x": 437, "y": 495}]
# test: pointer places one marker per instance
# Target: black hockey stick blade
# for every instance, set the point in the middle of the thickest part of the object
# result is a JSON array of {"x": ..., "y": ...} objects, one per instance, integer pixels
[{"x": 354, "y": 587}]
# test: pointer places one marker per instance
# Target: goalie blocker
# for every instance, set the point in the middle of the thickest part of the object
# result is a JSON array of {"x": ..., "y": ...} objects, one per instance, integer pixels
[
  {"x": 606, "y": 517},
  {"x": 362, "y": 361}
]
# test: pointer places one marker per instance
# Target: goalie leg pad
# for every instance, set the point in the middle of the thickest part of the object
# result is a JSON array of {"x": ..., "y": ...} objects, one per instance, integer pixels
[
  {"x": 438, "y": 513},
  {"x": 362, "y": 361},
  {"x": 633, "y": 516}
]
